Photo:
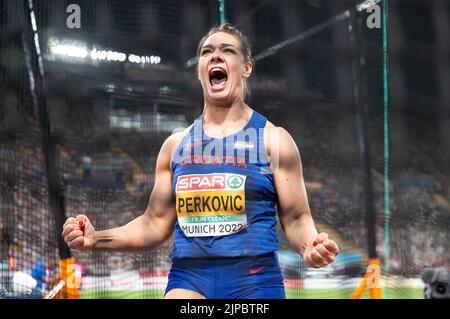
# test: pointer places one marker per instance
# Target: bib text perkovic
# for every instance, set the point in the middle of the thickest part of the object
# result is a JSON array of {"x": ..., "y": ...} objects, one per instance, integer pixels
[{"x": 211, "y": 204}]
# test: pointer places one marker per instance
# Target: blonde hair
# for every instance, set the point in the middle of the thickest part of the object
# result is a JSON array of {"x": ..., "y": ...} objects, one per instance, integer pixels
[{"x": 245, "y": 46}]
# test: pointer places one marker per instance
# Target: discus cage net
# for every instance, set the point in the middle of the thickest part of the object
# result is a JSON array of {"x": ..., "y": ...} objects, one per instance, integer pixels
[{"x": 87, "y": 101}]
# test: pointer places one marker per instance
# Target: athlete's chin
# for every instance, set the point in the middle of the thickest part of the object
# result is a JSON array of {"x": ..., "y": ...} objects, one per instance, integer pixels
[{"x": 219, "y": 97}]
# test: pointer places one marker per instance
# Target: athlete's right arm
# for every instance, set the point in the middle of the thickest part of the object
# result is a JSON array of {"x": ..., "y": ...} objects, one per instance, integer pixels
[{"x": 147, "y": 231}]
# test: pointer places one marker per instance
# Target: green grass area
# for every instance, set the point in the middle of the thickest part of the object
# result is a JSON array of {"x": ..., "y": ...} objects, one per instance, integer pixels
[
  {"x": 391, "y": 293},
  {"x": 388, "y": 293},
  {"x": 121, "y": 294}
]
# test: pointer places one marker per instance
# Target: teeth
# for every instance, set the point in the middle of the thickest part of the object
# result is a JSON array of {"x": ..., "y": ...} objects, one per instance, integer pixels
[{"x": 217, "y": 69}]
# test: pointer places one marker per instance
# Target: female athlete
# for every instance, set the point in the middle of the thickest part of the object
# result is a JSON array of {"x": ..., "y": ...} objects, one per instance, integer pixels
[{"x": 218, "y": 186}]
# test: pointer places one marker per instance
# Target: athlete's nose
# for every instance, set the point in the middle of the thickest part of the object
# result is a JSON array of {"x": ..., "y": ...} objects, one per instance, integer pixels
[{"x": 216, "y": 57}]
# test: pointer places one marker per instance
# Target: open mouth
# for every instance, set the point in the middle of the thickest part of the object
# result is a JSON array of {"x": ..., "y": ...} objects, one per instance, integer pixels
[{"x": 218, "y": 77}]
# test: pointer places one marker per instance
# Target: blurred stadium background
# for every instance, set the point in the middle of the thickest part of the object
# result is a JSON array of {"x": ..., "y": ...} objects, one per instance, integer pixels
[{"x": 82, "y": 119}]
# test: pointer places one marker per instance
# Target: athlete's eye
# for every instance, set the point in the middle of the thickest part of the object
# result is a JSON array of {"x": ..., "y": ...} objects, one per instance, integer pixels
[
  {"x": 205, "y": 51},
  {"x": 229, "y": 50}
]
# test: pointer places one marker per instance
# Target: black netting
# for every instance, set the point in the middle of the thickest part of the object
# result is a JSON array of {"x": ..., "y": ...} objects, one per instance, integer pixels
[{"x": 119, "y": 85}]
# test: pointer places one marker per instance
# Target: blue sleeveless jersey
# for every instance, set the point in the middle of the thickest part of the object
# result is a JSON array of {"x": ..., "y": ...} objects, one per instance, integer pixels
[{"x": 224, "y": 192}]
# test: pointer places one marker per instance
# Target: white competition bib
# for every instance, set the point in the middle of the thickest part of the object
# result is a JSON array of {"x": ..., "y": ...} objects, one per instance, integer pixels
[{"x": 211, "y": 204}]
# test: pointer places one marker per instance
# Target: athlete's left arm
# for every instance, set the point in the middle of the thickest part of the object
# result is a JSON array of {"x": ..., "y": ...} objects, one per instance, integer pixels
[{"x": 293, "y": 208}]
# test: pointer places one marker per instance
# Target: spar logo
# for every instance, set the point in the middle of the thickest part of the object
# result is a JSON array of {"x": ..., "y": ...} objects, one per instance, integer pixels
[
  {"x": 215, "y": 181},
  {"x": 235, "y": 181},
  {"x": 197, "y": 182}
]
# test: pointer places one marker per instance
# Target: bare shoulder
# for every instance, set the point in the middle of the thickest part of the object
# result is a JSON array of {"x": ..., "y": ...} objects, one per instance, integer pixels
[
  {"x": 274, "y": 136},
  {"x": 273, "y": 129},
  {"x": 269, "y": 124},
  {"x": 171, "y": 144}
]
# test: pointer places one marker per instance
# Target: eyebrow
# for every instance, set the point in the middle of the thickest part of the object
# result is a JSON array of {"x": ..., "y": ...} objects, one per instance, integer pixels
[{"x": 209, "y": 46}]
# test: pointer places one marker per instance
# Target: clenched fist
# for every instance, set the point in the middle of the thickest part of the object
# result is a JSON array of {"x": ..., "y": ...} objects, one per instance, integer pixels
[
  {"x": 78, "y": 233},
  {"x": 321, "y": 252}
]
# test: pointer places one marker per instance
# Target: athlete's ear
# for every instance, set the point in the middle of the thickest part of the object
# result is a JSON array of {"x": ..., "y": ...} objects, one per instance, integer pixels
[{"x": 248, "y": 68}]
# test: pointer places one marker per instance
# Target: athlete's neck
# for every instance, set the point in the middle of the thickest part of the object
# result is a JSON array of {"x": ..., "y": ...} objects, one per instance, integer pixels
[{"x": 225, "y": 120}]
